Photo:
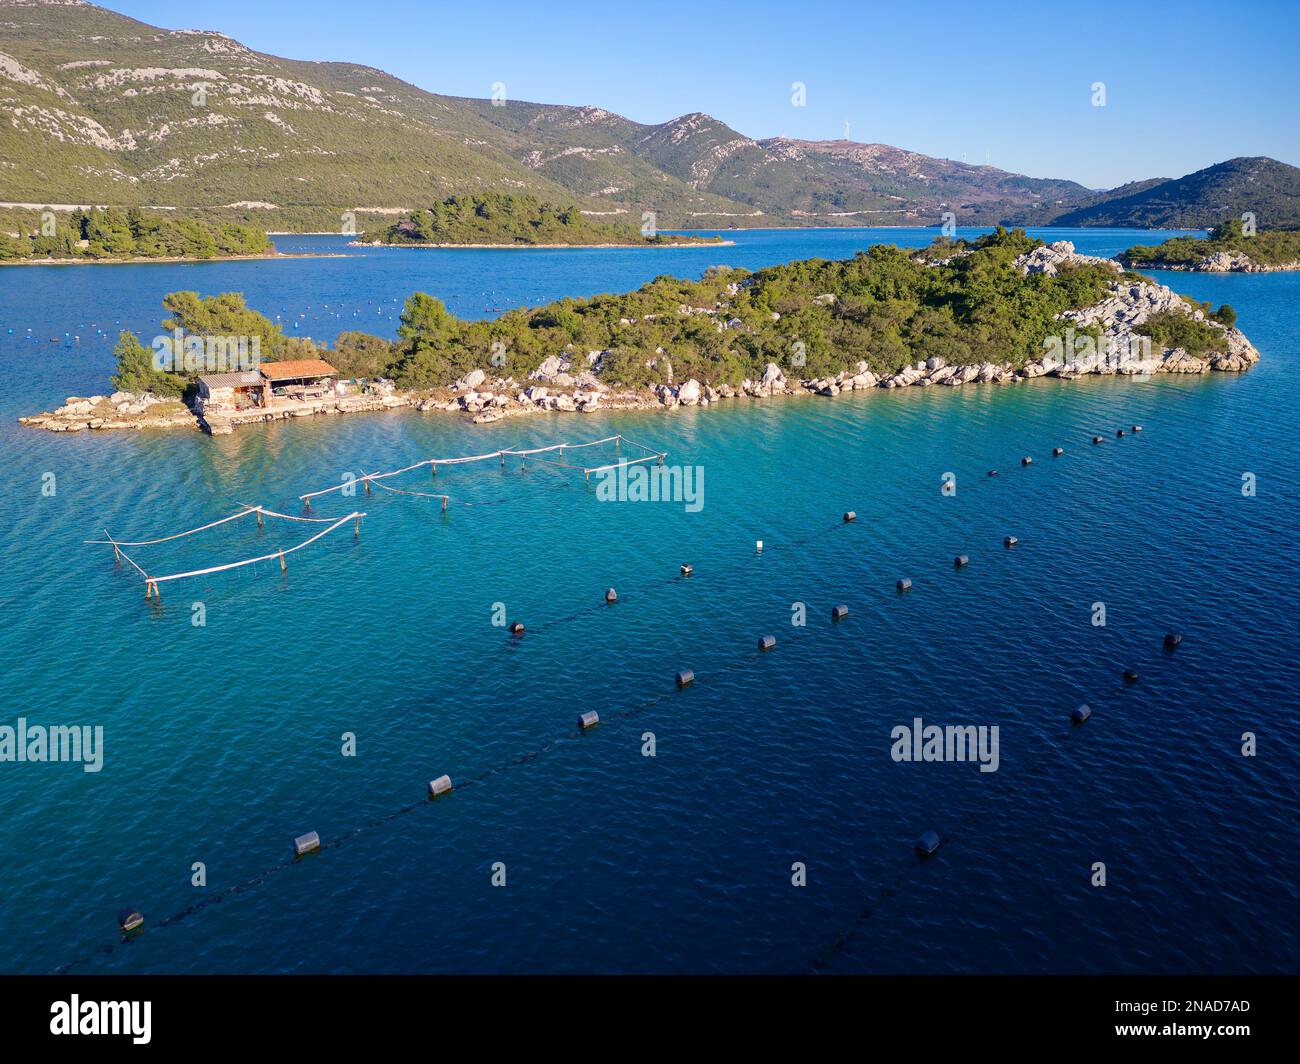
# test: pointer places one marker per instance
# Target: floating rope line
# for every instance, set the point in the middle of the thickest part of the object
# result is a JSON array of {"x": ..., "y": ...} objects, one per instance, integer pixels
[
  {"x": 355, "y": 515},
  {"x": 514, "y": 452},
  {"x": 419, "y": 494},
  {"x": 817, "y": 962},
  {"x": 152, "y": 582}
]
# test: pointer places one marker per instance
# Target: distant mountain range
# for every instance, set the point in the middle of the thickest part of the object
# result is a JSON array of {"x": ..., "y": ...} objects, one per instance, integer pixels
[{"x": 97, "y": 108}]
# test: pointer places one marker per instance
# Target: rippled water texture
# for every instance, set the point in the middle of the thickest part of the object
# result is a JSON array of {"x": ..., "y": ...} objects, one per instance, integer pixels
[{"x": 222, "y": 743}]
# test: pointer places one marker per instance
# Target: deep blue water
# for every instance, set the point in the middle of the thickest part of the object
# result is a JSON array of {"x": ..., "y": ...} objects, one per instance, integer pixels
[{"x": 222, "y": 742}]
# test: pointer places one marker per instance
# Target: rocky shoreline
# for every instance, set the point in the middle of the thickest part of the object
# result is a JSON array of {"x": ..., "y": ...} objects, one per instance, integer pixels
[
  {"x": 1219, "y": 262},
  {"x": 559, "y": 386}
]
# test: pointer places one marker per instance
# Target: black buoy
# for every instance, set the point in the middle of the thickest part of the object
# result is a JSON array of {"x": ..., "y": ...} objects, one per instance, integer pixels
[
  {"x": 928, "y": 843},
  {"x": 611, "y": 596},
  {"x": 838, "y": 613},
  {"x": 685, "y": 678},
  {"x": 588, "y": 720},
  {"x": 850, "y": 515},
  {"x": 517, "y": 628},
  {"x": 766, "y": 642},
  {"x": 1119, "y": 432},
  {"x": 1096, "y": 439},
  {"x": 687, "y": 570},
  {"x": 1057, "y": 452},
  {"x": 1130, "y": 676},
  {"x": 1080, "y": 713},
  {"x": 961, "y": 561},
  {"x": 904, "y": 585},
  {"x": 1026, "y": 460},
  {"x": 130, "y": 919},
  {"x": 1010, "y": 541},
  {"x": 1172, "y": 639}
]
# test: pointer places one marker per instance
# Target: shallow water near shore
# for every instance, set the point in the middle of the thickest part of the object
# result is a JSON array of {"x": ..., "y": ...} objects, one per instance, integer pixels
[{"x": 222, "y": 743}]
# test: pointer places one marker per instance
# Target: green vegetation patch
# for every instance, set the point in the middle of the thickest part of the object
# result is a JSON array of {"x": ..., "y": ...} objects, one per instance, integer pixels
[
  {"x": 1273, "y": 247},
  {"x": 496, "y": 218}
]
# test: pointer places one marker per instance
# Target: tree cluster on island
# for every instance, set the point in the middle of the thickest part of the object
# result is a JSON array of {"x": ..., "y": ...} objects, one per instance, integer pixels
[
  {"x": 511, "y": 220},
  {"x": 1274, "y": 247},
  {"x": 113, "y": 233},
  {"x": 963, "y": 301}
]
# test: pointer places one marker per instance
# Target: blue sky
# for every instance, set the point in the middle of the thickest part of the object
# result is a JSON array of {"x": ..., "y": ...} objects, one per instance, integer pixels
[{"x": 1187, "y": 85}]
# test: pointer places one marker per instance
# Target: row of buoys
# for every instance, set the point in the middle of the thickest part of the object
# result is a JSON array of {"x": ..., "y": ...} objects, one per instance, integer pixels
[{"x": 1081, "y": 713}]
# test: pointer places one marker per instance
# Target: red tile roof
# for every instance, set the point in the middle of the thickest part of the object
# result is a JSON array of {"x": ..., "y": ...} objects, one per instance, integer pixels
[{"x": 295, "y": 368}]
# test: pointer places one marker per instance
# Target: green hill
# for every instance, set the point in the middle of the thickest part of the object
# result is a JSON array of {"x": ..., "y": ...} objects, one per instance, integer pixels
[
  {"x": 1265, "y": 187},
  {"x": 98, "y": 108}
]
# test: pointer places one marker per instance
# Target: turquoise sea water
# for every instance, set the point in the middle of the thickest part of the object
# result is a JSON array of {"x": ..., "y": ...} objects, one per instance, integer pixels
[{"x": 222, "y": 742}]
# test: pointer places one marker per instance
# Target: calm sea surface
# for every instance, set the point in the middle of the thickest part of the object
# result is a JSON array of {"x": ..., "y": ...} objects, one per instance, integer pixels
[{"x": 223, "y": 742}]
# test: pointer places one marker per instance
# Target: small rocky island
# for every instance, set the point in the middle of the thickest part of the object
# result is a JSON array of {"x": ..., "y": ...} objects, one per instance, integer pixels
[
  {"x": 1000, "y": 310},
  {"x": 1228, "y": 249},
  {"x": 493, "y": 219}
]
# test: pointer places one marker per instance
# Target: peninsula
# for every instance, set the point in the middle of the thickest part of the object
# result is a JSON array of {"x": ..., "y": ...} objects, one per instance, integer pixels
[
  {"x": 1228, "y": 249},
  {"x": 114, "y": 235}
]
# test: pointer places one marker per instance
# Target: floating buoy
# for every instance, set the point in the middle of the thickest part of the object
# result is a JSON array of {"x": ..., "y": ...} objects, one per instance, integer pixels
[
  {"x": 1026, "y": 460},
  {"x": 1137, "y": 428},
  {"x": 130, "y": 919},
  {"x": 1010, "y": 541},
  {"x": 961, "y": 561},
  {"x": 1057, "y": 452},
  {"x": 588, "y": 720},
  {"x": 758, "y": 546},
  {"x": 766, "y": 642},
  {"x": 439, "y": 786},
  {"x": 517, "y": 628},
  {"x": 1080, "y": 713},
  {"x": 1096, "y": 439},
  {"x": 992, "y": 473},
  {"x": 611, "y": 596},
  {"x": 904, "y": 584},
  {"x": 306, "y": 843},
  {"x": 850, "y": 515},
  {"x": 687, "y": 570},
  {"x": 838, "y": 613},
  {"x": 1119, "y": 432},
  {"x": 685, "y": 678},
  {"x": 1172, "y": 639},
  {"x": 928, "y": 843},
  {"x": 1130, "y": 676}
]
